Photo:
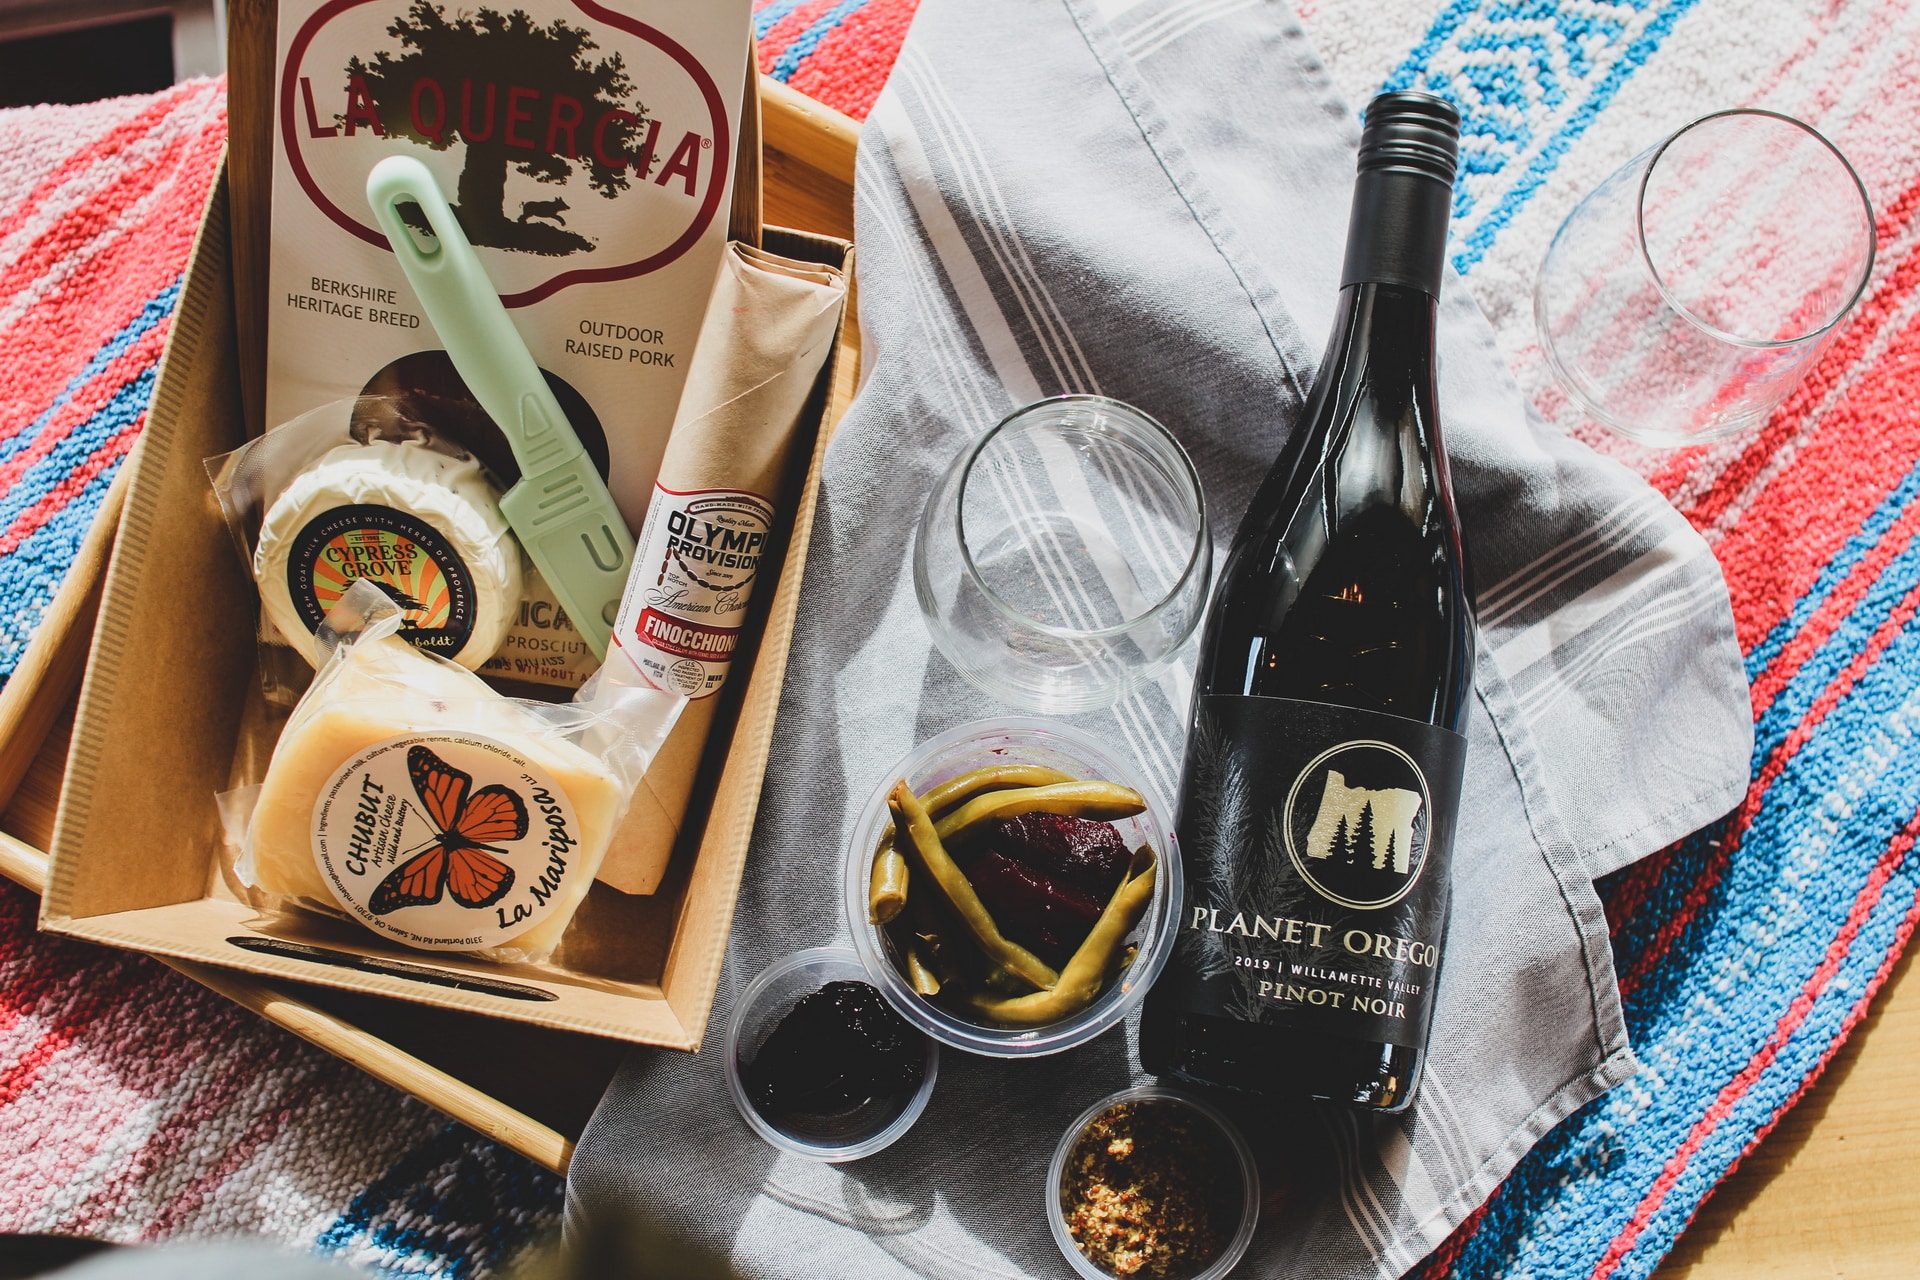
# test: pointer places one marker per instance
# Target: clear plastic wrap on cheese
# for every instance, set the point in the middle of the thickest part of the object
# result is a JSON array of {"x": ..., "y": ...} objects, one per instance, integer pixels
[
  {"x": 421, "y": 523},
  {"x": 408, "y": 795}
]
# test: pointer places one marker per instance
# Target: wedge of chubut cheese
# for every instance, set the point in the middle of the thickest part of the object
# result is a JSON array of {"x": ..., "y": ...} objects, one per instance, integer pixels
[{"x": 381, "y": 691}]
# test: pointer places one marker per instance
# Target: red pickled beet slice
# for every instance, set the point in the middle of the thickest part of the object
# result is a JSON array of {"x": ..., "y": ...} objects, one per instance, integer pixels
[
  {"x": 1031, "y": 908},
  {"x": 1089, "y": 855}
]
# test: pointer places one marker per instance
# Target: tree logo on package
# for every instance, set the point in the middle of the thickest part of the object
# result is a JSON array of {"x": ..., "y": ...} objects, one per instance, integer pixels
[
  {"x": 548, "y": 139},
  {"x": 1356, "y": 824},
  {"x": 402, "y": 555}
]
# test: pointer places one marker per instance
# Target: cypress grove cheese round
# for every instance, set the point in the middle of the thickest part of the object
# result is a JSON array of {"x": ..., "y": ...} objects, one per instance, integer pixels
[
  {"x": 431, "y": 809},
  {"x": 422, "y": 526}
]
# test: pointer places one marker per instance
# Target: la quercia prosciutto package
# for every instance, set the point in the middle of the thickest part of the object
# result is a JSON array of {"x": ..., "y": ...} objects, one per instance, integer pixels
[{"x": 589, "y": 155}]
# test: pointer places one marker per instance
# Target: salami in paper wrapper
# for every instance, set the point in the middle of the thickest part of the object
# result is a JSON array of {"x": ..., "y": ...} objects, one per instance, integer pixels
[{"x": 767, "y": 333}]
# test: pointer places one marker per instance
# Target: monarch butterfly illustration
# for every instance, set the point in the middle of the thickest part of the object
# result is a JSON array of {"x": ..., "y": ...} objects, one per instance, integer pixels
[{"x": 461, "y": 857}]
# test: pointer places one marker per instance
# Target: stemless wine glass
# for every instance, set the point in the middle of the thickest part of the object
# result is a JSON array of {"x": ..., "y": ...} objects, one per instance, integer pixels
[
  {"x": 1063, "y": 559},
  {"x": 1685, "y": 297}
]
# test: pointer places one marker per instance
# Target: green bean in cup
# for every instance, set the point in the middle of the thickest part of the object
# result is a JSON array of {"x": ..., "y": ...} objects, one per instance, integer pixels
[{"x": 1007, "y": 894}]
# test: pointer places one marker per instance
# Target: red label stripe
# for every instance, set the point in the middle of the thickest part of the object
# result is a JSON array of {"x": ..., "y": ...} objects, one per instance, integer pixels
[{"x": 685, "y": 639}]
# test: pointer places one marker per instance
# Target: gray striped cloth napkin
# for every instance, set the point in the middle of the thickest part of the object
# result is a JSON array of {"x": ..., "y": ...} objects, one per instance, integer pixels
[{"x": 1147, "y": 199}]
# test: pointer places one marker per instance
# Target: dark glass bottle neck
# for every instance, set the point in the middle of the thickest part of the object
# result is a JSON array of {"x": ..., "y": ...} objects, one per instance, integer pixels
[
  {"x": 1383, "y": 337},
  {"x": 1344, "y": 585},
  {"x": 1397, "y": 230},
  {"x": 1378, "y": 372}
]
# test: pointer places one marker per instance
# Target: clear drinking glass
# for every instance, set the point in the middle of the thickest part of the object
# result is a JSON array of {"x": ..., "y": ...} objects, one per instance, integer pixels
[
  {"x": 1063, "y": 559},
  {"x": 1685, "y": 297}
]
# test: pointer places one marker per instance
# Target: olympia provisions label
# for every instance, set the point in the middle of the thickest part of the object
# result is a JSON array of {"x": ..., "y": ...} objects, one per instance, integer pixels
[
  {"x": 1316, "y": 842},
  {"x": 693, "y": 575},
  {"x": 446, "y": 842}
]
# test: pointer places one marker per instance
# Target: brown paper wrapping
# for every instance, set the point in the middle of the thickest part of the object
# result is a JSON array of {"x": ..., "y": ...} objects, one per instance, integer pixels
[{"x": 768, "y": 331}]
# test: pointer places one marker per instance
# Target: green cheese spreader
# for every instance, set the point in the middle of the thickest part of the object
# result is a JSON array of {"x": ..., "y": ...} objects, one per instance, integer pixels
[{"x": 560, "y": 509}]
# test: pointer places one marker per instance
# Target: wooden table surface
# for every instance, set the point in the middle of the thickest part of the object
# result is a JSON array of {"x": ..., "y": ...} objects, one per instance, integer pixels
[{"x": 1834, "y": 1190}]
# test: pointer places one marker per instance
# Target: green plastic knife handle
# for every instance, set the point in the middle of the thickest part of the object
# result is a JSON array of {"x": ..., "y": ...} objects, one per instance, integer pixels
[{"x": 561, "y": 510}]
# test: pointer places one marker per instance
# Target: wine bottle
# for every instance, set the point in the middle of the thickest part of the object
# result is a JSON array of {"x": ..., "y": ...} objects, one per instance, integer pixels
[{"x": 1324, "y": 756}]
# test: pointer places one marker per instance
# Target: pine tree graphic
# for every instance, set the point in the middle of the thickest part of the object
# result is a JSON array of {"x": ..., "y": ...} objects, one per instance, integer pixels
[
  {"x": 1342, "y": 847},
  {"x": 1363, "y": 836},
  {"x": 1385, "y": 857}
]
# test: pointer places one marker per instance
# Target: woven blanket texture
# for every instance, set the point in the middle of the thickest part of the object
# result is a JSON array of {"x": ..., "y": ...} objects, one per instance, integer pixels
[
  {"x": 835, "y": 51},
  {"x": 135, "y": 1105}
]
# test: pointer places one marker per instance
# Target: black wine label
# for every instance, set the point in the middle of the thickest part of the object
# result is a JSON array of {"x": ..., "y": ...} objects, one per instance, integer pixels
[
  {"x": 402, "y": 555},
  {"x": 1316, "y": 842}
]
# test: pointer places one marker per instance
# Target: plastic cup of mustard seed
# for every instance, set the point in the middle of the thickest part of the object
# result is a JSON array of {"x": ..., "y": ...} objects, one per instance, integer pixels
[
  {"x": 1236, "y": 1200},
  {"x": 860, "y": 1131}
]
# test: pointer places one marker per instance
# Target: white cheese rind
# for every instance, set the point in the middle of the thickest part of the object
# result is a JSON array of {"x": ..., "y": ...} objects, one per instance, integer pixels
[{"x": 450, "y": 495}]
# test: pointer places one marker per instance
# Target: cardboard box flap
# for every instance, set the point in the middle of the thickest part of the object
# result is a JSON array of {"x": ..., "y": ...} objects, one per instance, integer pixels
[{"x": 174, "y": 608}]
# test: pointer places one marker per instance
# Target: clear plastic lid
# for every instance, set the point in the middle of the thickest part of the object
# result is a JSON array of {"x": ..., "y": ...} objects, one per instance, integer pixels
[
  {"x": 1248, "y": 1202},
  {"x": 767, "y": 1000},
  {"x": 1016, "y": 740}
]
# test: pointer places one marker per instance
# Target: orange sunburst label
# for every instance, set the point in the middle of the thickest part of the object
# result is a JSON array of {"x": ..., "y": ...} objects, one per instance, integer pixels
[{"x": 404, "y": 556}]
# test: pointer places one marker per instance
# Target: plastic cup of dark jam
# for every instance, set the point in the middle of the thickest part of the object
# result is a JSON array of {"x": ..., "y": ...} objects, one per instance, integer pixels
[
  {"x": 849, "y": 1135},
  {"x": 1235, "y": 1208}
]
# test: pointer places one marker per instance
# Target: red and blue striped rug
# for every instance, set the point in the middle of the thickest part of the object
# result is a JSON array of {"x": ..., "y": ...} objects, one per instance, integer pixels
[
  {"x": 1748, "y": 952},
  {"x": 100, "y": 204},
  {"x": 135, "y": 1105},
  {"x": 835, "y": 51}
]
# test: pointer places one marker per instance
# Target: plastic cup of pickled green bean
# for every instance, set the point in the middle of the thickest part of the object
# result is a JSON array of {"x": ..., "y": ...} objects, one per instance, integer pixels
[{"x": 956, "y": 961}]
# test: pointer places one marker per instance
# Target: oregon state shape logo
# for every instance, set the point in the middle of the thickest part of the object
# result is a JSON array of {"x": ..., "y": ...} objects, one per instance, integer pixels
[{"x": 1356, "y": 824}]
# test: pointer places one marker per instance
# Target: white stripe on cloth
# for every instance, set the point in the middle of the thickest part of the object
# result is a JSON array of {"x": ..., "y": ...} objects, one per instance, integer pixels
[
  {"x": 1449, "y": 1133},
  {"x": 1169, "y": 25},
  {"x": 1150, "y": 745},
  {"x": 1649, "y": 622},
  {"x": 987, "y": 207},
  {"x": 945, "y": 342},
  {"x": 1400, "y": 1158},
  {"x": 987, "y": 204},
  {"x": 1558, "y": 563},
  {"x": 976, "y": 299},
  {"x": 1598, "y": 603},
  {"x": 1371, "y": 1223}
]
